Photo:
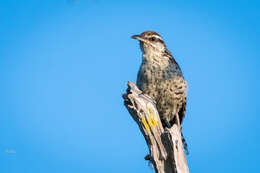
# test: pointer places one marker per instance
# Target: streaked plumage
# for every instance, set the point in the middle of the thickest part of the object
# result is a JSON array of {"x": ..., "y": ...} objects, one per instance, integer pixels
[{"x": 161, "y": 78}]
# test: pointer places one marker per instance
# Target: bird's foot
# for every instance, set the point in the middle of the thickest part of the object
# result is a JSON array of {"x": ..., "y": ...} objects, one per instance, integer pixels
[{"x": 165, "y": 123}]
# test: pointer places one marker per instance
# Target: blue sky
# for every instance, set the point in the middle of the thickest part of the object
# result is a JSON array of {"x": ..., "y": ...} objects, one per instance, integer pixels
[{"x": 64, "y": 65}]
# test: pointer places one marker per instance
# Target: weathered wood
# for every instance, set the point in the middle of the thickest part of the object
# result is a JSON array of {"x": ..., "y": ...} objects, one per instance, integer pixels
[{"x": 165, "y": 145}]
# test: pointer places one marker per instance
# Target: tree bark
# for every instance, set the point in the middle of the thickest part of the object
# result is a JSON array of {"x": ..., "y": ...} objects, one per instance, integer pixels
[{"x": 165, "y": 145}]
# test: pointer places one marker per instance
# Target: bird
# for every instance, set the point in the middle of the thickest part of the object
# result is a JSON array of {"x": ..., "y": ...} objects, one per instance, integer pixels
[{"x": 161, "y": 78}]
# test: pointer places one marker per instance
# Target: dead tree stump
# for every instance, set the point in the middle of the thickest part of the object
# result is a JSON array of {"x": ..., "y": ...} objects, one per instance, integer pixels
[{"x": 165, "y": 145}]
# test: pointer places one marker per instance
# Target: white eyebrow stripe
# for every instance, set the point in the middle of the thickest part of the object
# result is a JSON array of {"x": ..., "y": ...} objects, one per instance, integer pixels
[{"x": 156, "y": 36}]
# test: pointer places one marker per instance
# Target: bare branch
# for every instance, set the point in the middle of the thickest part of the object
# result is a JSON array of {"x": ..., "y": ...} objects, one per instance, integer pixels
[{"x": 165, "y": 145}]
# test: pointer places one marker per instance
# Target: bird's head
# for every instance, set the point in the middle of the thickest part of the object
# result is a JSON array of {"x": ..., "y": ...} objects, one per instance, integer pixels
[{"x": 150, "y": 42}]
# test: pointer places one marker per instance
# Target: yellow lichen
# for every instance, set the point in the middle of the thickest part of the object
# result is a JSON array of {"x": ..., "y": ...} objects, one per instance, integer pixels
[
  {"x": 145, "y": 124},
  {"x": 151, "y": 121}
]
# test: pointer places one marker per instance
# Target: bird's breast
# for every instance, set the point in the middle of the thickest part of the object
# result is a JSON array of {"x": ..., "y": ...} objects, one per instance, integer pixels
[{"x": 153, "y": 71}]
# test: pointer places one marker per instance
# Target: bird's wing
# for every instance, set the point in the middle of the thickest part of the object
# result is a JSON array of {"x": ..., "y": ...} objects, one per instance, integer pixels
[
  {"x": 179, "y": 87},
  {"x": 173, "y": 93},
  {"x": 182, "y": 111},
  {"x": 180, "y": 94}
]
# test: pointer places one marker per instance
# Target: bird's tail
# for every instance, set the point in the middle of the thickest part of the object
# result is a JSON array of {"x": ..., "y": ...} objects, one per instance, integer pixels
[{"x": 185, "y": 145}]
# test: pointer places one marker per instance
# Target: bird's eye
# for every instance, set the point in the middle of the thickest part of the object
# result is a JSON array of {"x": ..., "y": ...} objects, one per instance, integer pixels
[{"x": 152, "y": 38}]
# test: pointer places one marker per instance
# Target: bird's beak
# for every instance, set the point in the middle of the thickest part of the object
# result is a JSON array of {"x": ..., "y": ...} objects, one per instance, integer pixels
[
  {"x": 141, "y": 39},
  {"x": 138, "y": 37}
]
